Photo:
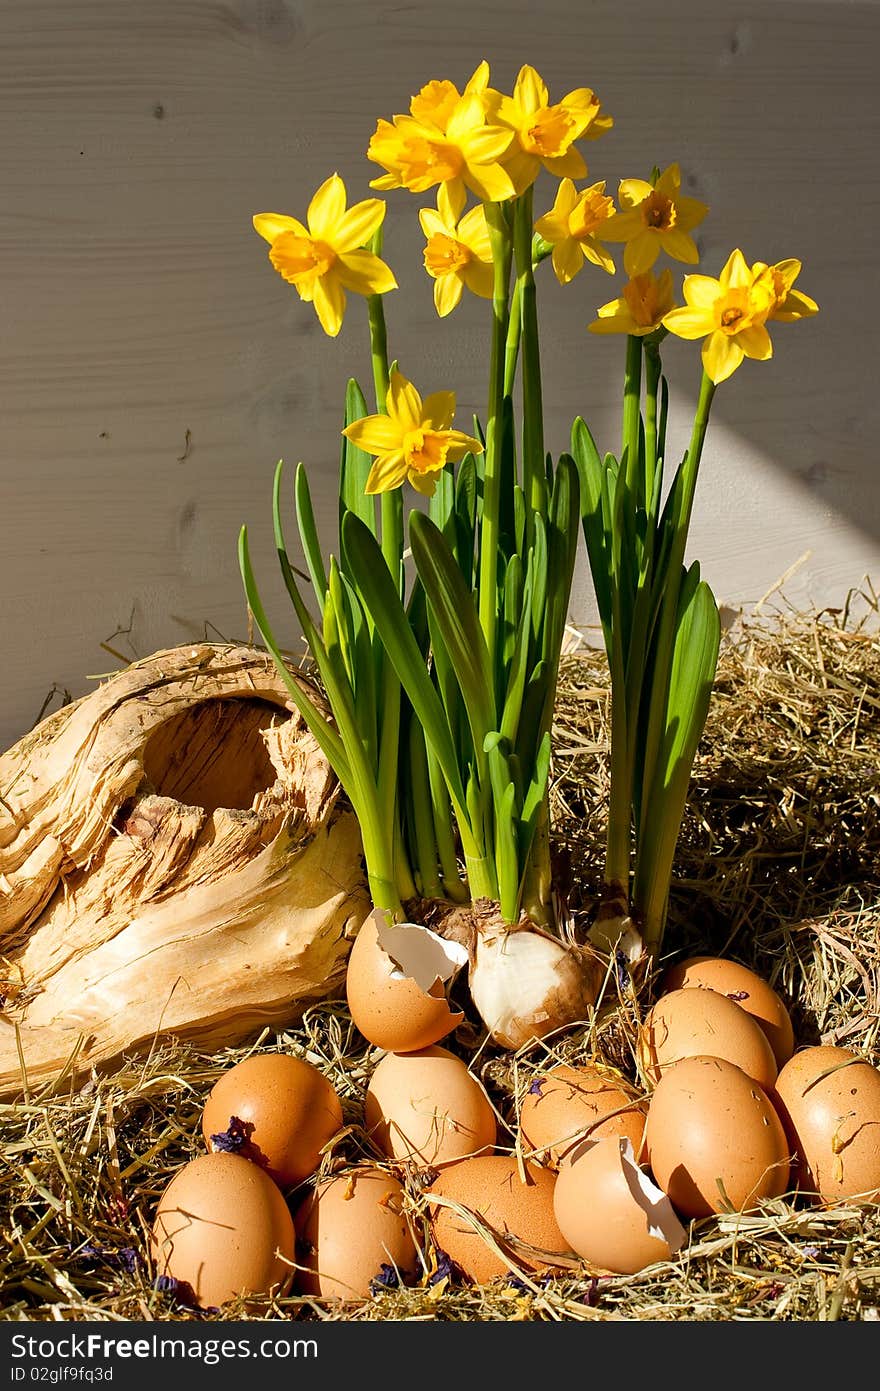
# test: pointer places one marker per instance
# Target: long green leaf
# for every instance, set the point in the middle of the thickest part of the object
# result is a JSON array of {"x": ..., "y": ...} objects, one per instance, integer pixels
[
  {"x": 379, "y": 595},
  {"x": 308, "y": 533},
  {"x": 451, "y": 605},
  {"x": 355, "y": 465}
]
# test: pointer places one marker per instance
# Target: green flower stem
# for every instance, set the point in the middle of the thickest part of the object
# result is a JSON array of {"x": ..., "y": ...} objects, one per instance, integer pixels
[
  {"x": 499, "y": 236},
  {"x": 392, "y": 549},
  {"x": 632, "y": 396},
  {"x": 533, "y": 406},
  {"x": 514, "y": 334},
  {"x": 453, "y": 885},
  {"x": 423, "y": 820},
  {"x": 652, "y": 381},
  {"x": 668, "y": 617}
]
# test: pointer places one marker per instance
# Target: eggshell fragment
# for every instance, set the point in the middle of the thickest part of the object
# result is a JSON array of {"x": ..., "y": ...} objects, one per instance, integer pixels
[
  {"x": 427, "y": 1109},
  {"x": 745, "y": 988},
  {"x": 348, "y": 1229},
  {"x": 829, "y": 1101},
  {"x": 568, "y": 1105},
  {"x": 714, "y": 1140},
  {"x": 286, "y": 1110},
  {"x": 223, "y": 1228},
  {"x": 694, "y": 1023},
  {"x": 519, "y": 1217},
  {"x": 611, "y": 1213},
  {"x": 395, "y": 984}
]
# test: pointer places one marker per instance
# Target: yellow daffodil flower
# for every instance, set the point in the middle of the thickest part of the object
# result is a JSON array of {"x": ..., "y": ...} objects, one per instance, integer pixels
[
  {"x": 571, "y": 227},
  {"x": 788, "y": 305},
  {"x": 729, "y": 313},
  {"x": 444, "y": 140},
  {"x": 326, "y": 258},
  {"x": 545, "y": 133},
  {"x": 641, "y": 308},
  {"x": 458, "y": 252},
  {"x": 412, "y": 440},
  {"x": 655, "y": 218}
]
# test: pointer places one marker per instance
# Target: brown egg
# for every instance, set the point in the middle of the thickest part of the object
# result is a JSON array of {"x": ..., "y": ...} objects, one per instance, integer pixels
[
  {"x": 742, "y": 986},
  {"x": 695, "y": 1023},
  {"x": 392, "y": 1008},
  {"x": 223, "y": 1228},
  {"x": 426, "y": 1108},
  {"x": 611, "y": 1213},
  {"x": 570, "y": 1104},
  {"x": 710, "y": 1127},
  {"x": 519, "y": 1216},
  {"x": 829, "y": 1101},
  {"x": 348, "y": 1229},
  {"x": 282, "y": 1110}
]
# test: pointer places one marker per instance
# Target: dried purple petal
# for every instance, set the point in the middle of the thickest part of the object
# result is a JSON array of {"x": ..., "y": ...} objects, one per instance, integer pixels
[
  {"x": 387, "y": 1279},
  {"x": 591, "y": 1295},
  {"x": 446, "y": 1270},
  {"x": 234, "y": 1138},
  {"x": 737, "y": 995},
  {"x": 621, "y": 966},
  {"x": 126, "y": 1258},
  {"x": 537, "y": 1087}
]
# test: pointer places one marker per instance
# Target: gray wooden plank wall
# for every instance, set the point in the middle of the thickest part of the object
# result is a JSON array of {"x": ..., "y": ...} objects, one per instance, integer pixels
[{"x": 154, "y": 368}]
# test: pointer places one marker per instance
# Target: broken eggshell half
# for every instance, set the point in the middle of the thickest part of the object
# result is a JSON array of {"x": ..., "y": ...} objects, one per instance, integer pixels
[{"x": 396, "y": 983}]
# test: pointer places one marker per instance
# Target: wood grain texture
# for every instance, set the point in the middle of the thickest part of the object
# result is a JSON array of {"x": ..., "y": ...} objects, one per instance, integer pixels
[{"x": 154, "y": 367}]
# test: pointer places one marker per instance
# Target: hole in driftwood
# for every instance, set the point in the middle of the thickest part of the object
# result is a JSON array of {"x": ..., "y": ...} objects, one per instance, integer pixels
[{"x": 212, "y": 755}]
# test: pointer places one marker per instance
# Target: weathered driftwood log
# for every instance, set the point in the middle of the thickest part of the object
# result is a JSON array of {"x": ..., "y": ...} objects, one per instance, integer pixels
[{"x": 172, "y": 862}]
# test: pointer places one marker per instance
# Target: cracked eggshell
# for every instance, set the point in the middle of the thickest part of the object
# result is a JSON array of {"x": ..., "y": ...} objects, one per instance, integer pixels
[
  {"x": 829, "y": 1101},
  {"x": 710, "y": 1127},
  {"x": 396, "y": 984},
  {"x": 695, "y": 1023},
  {"x": 611, "y": 1213},
  {"x": 569, "y": 1105},
  {"x": 519, "y": 1216},
  {"x": 223, "y": 1228},
  {"x": 288, "y": 1109},
  {"x": 428, "y": 1109},
  {"x": 347, "y": 1229},
  {"x": 745, "y": 988}
]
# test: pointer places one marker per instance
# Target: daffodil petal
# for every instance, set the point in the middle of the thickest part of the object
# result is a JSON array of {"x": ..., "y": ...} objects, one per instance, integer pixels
[
  {"x": 571, "y": 165},
  {"x": 489, "y": 182},
  {"x": 755, "y": 342},
  {"x": 447, "y": 293},
  {"x": 387, "y": 473},
  {"x": 460, "y": 444},
  {"x": 385, "y": 181},
  {"x": 689, "y": 212},
  {"x": 595, "y": 252},
  {"x": 700, "y": 291},
  {"x": 375, "y": 434},
  {"x": 679, "y": 245},
  {"x": 403, "y": 403},
  {"x": 480, "y": 79},
  {"x": 795, "y": 306},
  {"x": 689, "y": 323},
  {"x": 479, "y": 277},
  {"x": 522, "y": 169},
  {"x": 327, "y": 208},
  {"x": 473, "y": 231},
  {"x": 530, "y": 91},
  {"x": 271, "y": 225},
  {"x": 568, "y": 260},
  {"x": 631, "y": 192},
  {"x": 329, "y": 301},
  {"x": 736, "y": 271},
  {"x": 614, "y": 323},
  {"x": 639, "y": 254},
  {"x": 450, "y": 203},
  {"x": 432, "y": 222},
  {"x": 424, "y": 483},
  {"x": 486, "y": 144},
  {"x": 721, "y": 355},
  {"x": 365, "y": 273},
  {"x": 622, "y": 226},
  {"x": 439, "y": 409},
  {"x": 358, "y": 224}
]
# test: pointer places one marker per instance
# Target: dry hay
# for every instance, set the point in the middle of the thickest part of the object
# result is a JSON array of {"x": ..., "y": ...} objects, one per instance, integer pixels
[{"x": 778, "y": 866}]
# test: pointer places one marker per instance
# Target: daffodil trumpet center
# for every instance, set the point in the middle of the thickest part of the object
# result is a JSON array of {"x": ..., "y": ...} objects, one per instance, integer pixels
[
  {"x": 589, "y": 215},
  {"x": 659, "y": 212},
  {"x": 444, "y": 255},
  {"x": 425, "y": 451},
  {"x": 301, "y": 259},
  {"x": 550, "y": 133},
  {"x": 738, "y": 309}
]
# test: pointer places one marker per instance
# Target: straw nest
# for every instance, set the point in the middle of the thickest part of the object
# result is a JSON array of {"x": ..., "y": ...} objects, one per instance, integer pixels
[{"x": 778, "y": 866}]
